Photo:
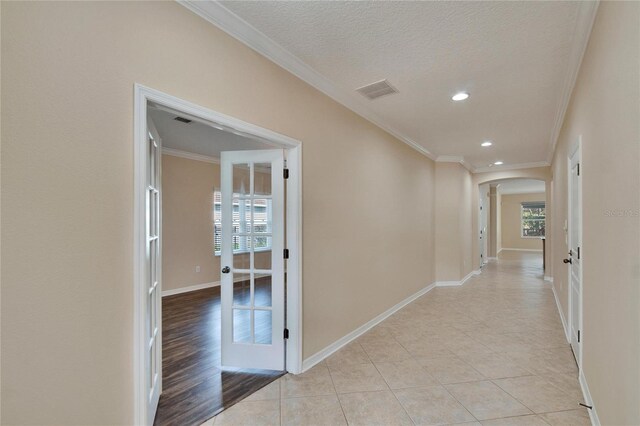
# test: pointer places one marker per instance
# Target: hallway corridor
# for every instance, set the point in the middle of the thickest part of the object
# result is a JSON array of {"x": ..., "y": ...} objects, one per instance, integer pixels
[{"x": 491, "y": 351}]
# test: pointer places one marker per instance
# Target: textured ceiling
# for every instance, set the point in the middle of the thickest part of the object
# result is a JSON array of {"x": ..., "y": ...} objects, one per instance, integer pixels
[
  {"x": 198, "y": 138},
  {"x": 512, "y": 57}
]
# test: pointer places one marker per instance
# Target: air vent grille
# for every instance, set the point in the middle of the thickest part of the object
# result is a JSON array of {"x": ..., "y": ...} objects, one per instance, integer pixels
[
  {"x": 183, "y": 120},
  {"x": 377, "y": 89}
]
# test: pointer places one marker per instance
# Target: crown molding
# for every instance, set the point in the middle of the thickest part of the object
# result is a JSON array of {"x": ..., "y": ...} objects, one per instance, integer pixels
[
  {"x": 450, "y": 159},
  {"x": 190, "y": 155},
  {"x": 512, "y": 167},
  {"x": 581, "y": 34},
  {"x": 241, "y": 30},
  {"x": 455, "y": 159},
  {"x": 463, "y": 162}
]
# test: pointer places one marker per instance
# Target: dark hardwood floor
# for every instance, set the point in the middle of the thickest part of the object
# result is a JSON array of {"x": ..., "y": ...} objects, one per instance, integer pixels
[{"x": 194, "y": 386}]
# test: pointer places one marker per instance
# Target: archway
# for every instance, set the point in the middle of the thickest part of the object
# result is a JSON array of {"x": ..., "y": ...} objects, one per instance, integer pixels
[{"x": 485, "y": 180}]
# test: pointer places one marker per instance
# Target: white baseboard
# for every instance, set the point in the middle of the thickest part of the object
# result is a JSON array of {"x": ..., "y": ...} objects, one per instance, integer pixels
[
  {"x": 190, "y": 288},
  {"x": 324, "y": 353},
  {"x": 447, "y": 283},
  {"x": 519, "y": 249},
  {"x": 593, "y": 414},
  {"x": 564, "y": 322},
  {"x": 457, "y": 283}
]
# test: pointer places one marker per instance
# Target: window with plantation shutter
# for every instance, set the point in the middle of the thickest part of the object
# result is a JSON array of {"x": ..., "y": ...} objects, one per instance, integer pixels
[
  {"x": 532, "y": 219},
  {"x": 242, "y": 209}
]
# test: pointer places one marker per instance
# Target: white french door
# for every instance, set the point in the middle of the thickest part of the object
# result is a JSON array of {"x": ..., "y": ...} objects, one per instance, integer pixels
[
  {"x": 153, "y": 329},
  {"x": 252, "y": 259},
  {"x": 575, "y": 256}
]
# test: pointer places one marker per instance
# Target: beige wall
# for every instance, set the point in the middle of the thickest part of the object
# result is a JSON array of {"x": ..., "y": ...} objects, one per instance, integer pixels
[
  {"x": 605, "y": 111},
  {"x": 498, "y": 221},
  {"x": 68, "y": 71},
  {"x": 510, "y": 219},
  {"x": 453, "y": 222},
  {"x": 187, "y": 222}
]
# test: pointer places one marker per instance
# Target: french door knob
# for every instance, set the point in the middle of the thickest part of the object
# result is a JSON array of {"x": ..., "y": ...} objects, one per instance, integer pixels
[
  {"x": 567, "y": 260},
  {"x": 226, "y": 270}
]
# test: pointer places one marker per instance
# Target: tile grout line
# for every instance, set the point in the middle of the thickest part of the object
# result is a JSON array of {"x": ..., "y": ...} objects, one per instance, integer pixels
[
  {"x": 529, "y": 315},
  {"x": 512, "y": 396},
  {"x": 460, "y": 402},
  {"x": 337, "y": 394},
  {"x": 393, "y": 393}
]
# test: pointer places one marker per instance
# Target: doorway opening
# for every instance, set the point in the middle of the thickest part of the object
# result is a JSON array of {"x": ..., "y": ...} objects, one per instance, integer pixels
[
  {"x": 513, "y": 217},
  {"x": 217, "y": 267}
]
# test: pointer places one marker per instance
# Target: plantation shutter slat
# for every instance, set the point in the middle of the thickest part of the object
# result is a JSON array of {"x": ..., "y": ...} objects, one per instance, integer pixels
[{"x": 533, "y": 204}]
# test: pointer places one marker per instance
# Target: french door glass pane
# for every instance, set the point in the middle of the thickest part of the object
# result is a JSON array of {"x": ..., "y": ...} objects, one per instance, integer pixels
[
  {"x": 241, "y": 217},
  {"x": 152, "y": 359},
  {"x": 262, "y": 179},
  {"x": 262, "y": 291},
  {"x": 242, "y": 326},
  {"x": 242, "y": 290},
  {"x": 242, "y": 260},
  {"x": 262, "y": 256},
  {"x": 241, "y": 179},
  {"x": 152, "y": 262},
  {"x": 262, "y": 326},
  {"x": 152, "y": 317},
  {"x": 262, "y": 216}
]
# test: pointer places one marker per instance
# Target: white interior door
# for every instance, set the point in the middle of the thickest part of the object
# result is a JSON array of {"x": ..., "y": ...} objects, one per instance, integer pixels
[
  {"x": 483, "y": 230},
  {"x": 575, "y": 256},
  {"x": 252, "y": 259},
  {"x": 153, "y": 329}
]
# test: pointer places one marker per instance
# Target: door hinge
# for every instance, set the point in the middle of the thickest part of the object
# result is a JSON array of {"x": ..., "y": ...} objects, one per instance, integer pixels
[
  {"x": 286, "y": 333},
  {"x": 578, "y": 253},
  {"x": 285, "y": 253},
  {"x": 285, "y": 173},
  {"x": 578, "y": 169},
  {"x": 578, "y": 336}
]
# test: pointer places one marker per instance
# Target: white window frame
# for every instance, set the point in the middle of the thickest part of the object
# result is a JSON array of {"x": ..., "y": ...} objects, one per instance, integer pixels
[{"x": 522, "y": 222}]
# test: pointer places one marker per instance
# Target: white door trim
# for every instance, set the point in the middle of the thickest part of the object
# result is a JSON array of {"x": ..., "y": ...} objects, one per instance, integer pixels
[
  {"x": 142, "y": 96},
  {"x": 576, "y": 148}
]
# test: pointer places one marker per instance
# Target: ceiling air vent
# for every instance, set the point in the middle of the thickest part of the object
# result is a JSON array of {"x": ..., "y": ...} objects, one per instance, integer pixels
[
  {"x": 377, "y": 89},
  {"x": 183, "y": 120}
]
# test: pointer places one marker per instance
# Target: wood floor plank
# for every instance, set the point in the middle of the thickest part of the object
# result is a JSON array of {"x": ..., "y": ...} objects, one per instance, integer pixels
[{"x": 195, "y": 388}]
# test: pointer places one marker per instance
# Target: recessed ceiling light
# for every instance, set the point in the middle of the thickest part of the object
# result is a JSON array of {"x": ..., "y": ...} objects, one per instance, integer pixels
[
  {"x": 486, "y": 143},
  {"x": 498, "y": 163},
  {"x": 461, "y": 96}
]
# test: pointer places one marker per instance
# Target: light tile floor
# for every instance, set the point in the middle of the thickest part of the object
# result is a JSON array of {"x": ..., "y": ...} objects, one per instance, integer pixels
[{"x": 491, "y": 352}]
